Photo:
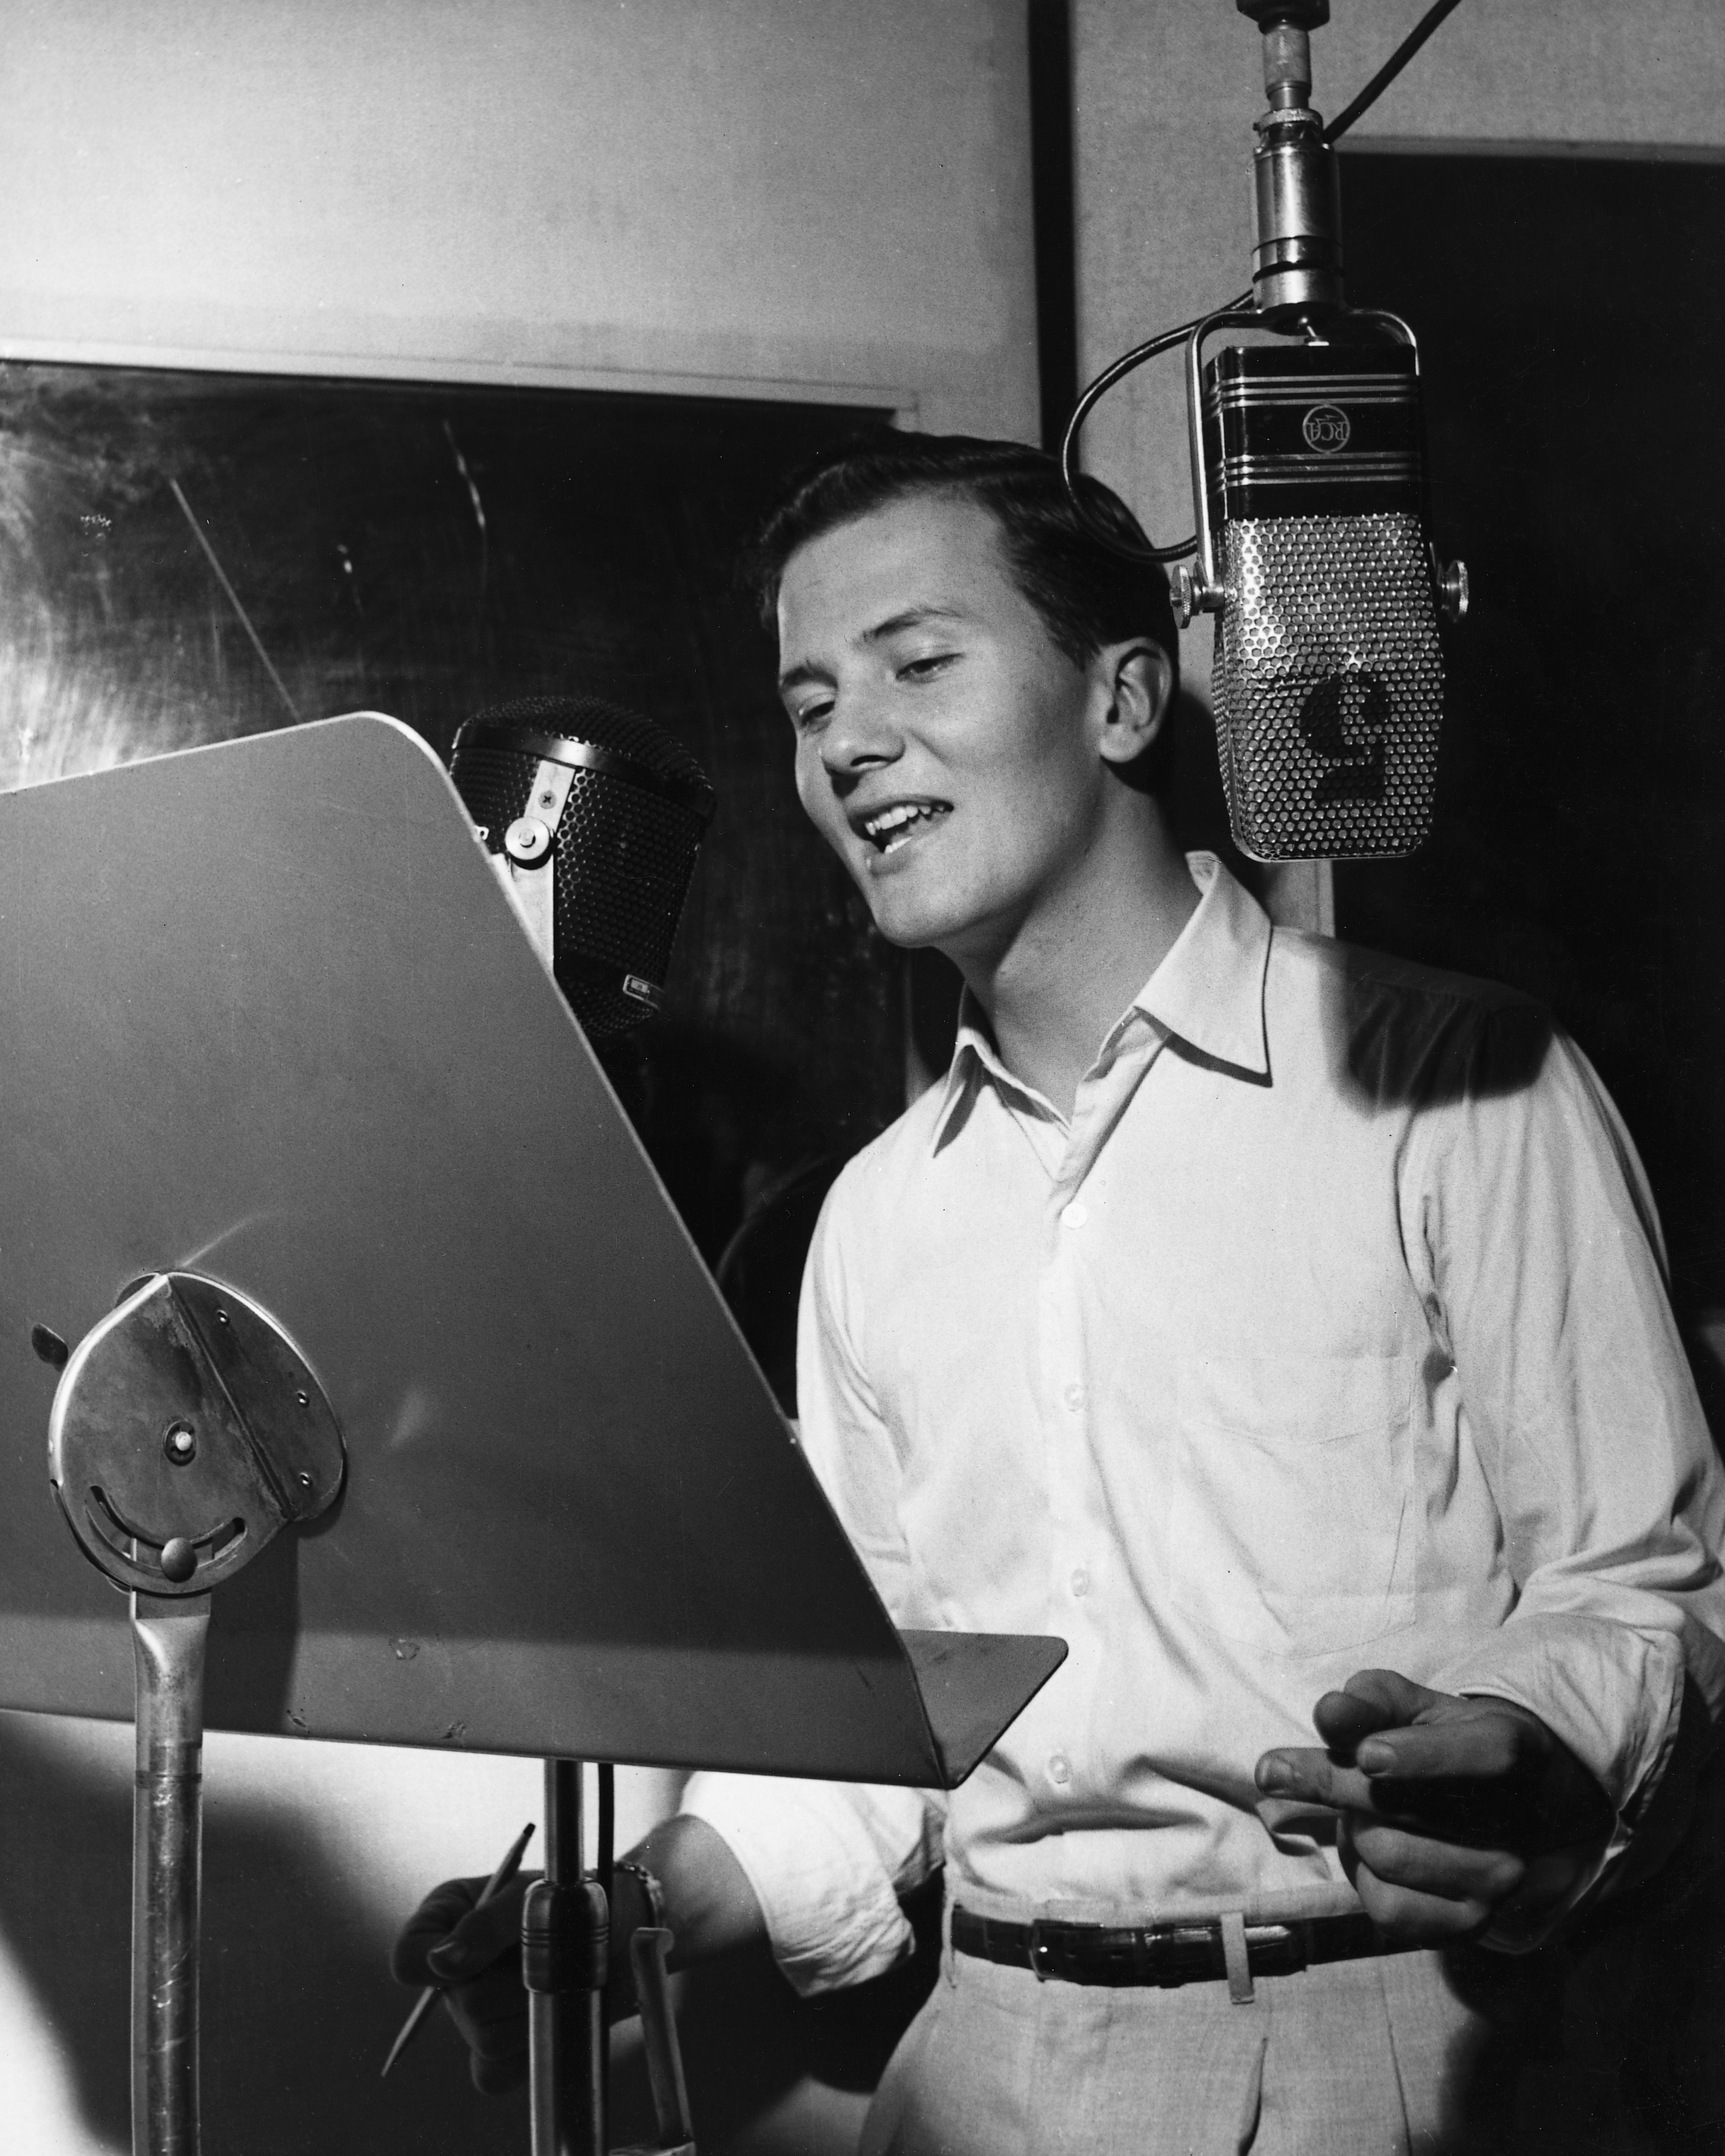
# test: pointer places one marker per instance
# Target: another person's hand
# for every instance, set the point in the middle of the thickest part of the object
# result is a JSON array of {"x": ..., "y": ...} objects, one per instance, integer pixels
[
  {"x": 1458, "y": 1815},
  {"x": 477, "y": 1953},
  {"x": 703, "y": 1894}
]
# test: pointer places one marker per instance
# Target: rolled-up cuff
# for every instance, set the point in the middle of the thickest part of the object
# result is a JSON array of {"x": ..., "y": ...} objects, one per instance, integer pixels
[
  {"x": 1610, "y": 1693},
  {"x": 831, "y": 1911},
  {"x": 1613, "y": 1696}
]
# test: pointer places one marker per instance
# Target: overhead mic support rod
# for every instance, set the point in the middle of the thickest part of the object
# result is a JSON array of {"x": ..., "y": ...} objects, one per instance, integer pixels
[{"x": 1287, "y": 24}]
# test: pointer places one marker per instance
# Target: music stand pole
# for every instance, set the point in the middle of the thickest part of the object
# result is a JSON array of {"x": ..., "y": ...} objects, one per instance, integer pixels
[
  {"x": 187, "y": 1431},
  {"x": 565, "y": 1949},
  {"x": 168, "y": 1642}
]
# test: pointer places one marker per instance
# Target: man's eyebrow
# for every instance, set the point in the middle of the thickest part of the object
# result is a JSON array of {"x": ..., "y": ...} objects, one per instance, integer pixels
[
  {"x": 799, "y": 676},
  {"x": 912, "y": 617}
]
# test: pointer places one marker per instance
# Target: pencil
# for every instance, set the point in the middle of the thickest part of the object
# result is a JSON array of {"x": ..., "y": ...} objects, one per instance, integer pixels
[{"x": 433, "y": 1992}]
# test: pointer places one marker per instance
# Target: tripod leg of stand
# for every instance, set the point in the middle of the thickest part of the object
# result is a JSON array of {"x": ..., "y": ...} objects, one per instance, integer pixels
[
  {"x": 565, "y": 1948},
  {"x": 168, "y": 1642}
]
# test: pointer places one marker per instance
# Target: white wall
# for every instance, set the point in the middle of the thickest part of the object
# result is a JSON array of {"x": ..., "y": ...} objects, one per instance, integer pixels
[{"x": 788, "y": 196}]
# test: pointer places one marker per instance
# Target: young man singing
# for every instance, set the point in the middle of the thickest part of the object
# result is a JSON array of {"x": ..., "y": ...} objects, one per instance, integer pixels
[{"x": 1282, "y": 1325}]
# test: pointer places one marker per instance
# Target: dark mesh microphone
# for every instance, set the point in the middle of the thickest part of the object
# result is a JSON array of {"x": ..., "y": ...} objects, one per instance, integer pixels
[
  {"x": 1308, "y": 479},
  {"x": 613, "y": 809}
]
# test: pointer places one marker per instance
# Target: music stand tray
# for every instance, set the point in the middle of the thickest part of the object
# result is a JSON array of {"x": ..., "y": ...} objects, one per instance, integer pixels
[{"x": 268, "y": 1019}]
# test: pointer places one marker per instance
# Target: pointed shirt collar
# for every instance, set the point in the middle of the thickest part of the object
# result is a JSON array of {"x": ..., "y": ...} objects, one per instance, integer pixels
[{"x": 1207, "y": 992}]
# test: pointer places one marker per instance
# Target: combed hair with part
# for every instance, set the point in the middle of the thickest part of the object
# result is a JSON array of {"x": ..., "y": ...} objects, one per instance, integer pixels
[{"x": 1087, "y": 594}]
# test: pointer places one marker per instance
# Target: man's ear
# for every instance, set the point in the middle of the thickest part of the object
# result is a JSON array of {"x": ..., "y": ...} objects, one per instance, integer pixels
[{"x": 1139, "y": 677}]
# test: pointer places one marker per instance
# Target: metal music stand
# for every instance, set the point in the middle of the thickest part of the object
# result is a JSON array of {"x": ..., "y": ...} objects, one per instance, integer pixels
[{"x": 305, "y": 1160}]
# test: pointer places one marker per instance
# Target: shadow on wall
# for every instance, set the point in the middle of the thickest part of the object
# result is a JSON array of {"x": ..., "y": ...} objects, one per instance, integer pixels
[{"x": 298, "y": 2009}]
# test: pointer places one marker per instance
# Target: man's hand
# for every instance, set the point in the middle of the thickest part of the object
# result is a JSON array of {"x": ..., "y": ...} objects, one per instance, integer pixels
[
  {"x": 477, "y": 1953},
  {"x": 1457, "y": 1814},
  {"x": 709, "y": 1904}
]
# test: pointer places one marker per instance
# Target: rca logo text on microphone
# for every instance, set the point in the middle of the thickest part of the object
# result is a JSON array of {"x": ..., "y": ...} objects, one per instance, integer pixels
[{"x": 1326, "y": 427}]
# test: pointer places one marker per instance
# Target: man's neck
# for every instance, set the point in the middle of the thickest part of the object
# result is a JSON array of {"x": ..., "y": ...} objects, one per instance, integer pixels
[{"x": 1057, "y": 987}]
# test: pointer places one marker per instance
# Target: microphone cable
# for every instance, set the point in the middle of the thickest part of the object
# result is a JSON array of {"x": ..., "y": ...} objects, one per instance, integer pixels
[{"x": 1153, "y": 347}]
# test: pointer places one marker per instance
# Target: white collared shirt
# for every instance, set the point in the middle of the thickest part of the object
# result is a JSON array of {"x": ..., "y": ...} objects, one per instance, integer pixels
[{"x": 1329, "y": 1334}]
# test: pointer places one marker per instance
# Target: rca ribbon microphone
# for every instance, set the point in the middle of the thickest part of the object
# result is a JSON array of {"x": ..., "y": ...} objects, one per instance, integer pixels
[
  {"x": 1309, "y": 484},
  {"x": 612, "y": 810}
]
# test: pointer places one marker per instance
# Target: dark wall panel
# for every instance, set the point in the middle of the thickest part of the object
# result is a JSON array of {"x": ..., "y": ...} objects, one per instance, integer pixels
[
  {"x": 1572, "y": 325},
  {"x": 184, "y": 557}
]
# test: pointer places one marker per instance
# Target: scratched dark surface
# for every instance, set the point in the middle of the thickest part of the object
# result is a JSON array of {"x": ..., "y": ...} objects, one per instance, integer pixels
[
  {"x": 1571, "y": 330},
  {"x": 188, "y": 558}
]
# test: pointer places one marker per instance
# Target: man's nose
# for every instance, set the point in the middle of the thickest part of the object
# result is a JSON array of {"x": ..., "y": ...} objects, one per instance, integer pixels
[{"x": 862, "y": 735}]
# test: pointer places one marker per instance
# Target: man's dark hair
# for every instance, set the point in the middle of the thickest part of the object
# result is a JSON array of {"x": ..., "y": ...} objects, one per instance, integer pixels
[{"x": 1087, "y": 593}]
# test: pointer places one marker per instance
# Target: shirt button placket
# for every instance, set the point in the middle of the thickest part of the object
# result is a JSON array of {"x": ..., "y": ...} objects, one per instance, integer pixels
[{"x": 1071, "y": 1469}]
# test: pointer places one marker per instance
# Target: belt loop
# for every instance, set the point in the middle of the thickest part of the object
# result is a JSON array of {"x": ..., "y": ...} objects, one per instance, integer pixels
[
  {"x": 1241, "y": 1990},
  {"x": 949, "y": 1953},
  {"x": 1037, "y": 1950}
]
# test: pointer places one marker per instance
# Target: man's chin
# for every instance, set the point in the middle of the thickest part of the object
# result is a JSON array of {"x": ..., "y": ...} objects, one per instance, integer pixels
[
  {"x": 909, "y": 927},
  {"x": 911, "y": 921}
]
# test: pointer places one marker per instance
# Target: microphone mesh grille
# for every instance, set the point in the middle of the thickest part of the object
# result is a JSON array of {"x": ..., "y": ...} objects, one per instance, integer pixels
[
  {"x": 605, "y": 726},
  {"x": 623, "y": 855},
  {"x": 1328, "y": 685}
]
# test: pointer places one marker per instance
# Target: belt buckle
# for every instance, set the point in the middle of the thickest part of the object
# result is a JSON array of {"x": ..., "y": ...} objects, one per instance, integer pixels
[{"x": 1037, "y": 1949}]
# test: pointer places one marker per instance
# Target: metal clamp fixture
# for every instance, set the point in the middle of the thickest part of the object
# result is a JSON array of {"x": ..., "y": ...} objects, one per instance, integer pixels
[
  {"x": 1296, "y": 263},
  {"x": 187, "y": 1431}
]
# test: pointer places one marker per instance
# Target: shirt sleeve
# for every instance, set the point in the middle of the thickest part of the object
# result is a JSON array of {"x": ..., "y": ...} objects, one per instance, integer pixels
[
  {"x": 828, "y": 1860},
  {"x": 1544, "y": 1264}
]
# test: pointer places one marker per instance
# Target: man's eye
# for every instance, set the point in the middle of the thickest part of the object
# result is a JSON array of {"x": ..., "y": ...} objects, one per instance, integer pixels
[
  {"x": 932, "y": 663},
  {"x": 807, "y": 716}
]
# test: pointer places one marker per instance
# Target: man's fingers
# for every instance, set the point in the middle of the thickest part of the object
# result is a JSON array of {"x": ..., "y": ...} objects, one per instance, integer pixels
[
  {"x": 490, "y": 2016},
  {"x": 482, "y": 1936},
  {"x": 448, "y": 1937},
  {"x": 1370, "y": 1700},
  {"x": 1485, "y": 1747},
  {"x": 1451, "y": 1871},
  {"x": 498, "y": 2076},
  {"x": 1407, "y": 1918},
  {"x": 1468, "y": 1808},
  {"x": 436, "y": 1917},
  {"x": 1302, "y": 1771}
]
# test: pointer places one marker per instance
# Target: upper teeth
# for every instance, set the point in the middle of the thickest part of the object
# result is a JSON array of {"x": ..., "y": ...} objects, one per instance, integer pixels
[{"x": 881, "y": 827}]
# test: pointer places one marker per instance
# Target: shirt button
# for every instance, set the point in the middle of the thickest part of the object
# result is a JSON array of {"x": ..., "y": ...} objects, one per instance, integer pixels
[
  {"x": 1080, "y": 1580},
  {"x": 1076, "y": 1215},
  {"x": 1074, "y": 1397},
  {"x": 1060, "y": 1768}
]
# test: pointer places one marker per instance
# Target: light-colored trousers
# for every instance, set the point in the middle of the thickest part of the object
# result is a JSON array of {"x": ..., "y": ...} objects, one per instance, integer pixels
[{"x": 1403, "y": 2055}]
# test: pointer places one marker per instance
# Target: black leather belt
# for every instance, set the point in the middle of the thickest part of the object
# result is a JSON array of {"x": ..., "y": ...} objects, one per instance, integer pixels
[{"x": 1165, "y": 1954}]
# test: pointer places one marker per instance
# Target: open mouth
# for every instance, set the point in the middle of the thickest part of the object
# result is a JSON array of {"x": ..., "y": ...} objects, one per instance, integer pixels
[{"x": 887, "y": 829}]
